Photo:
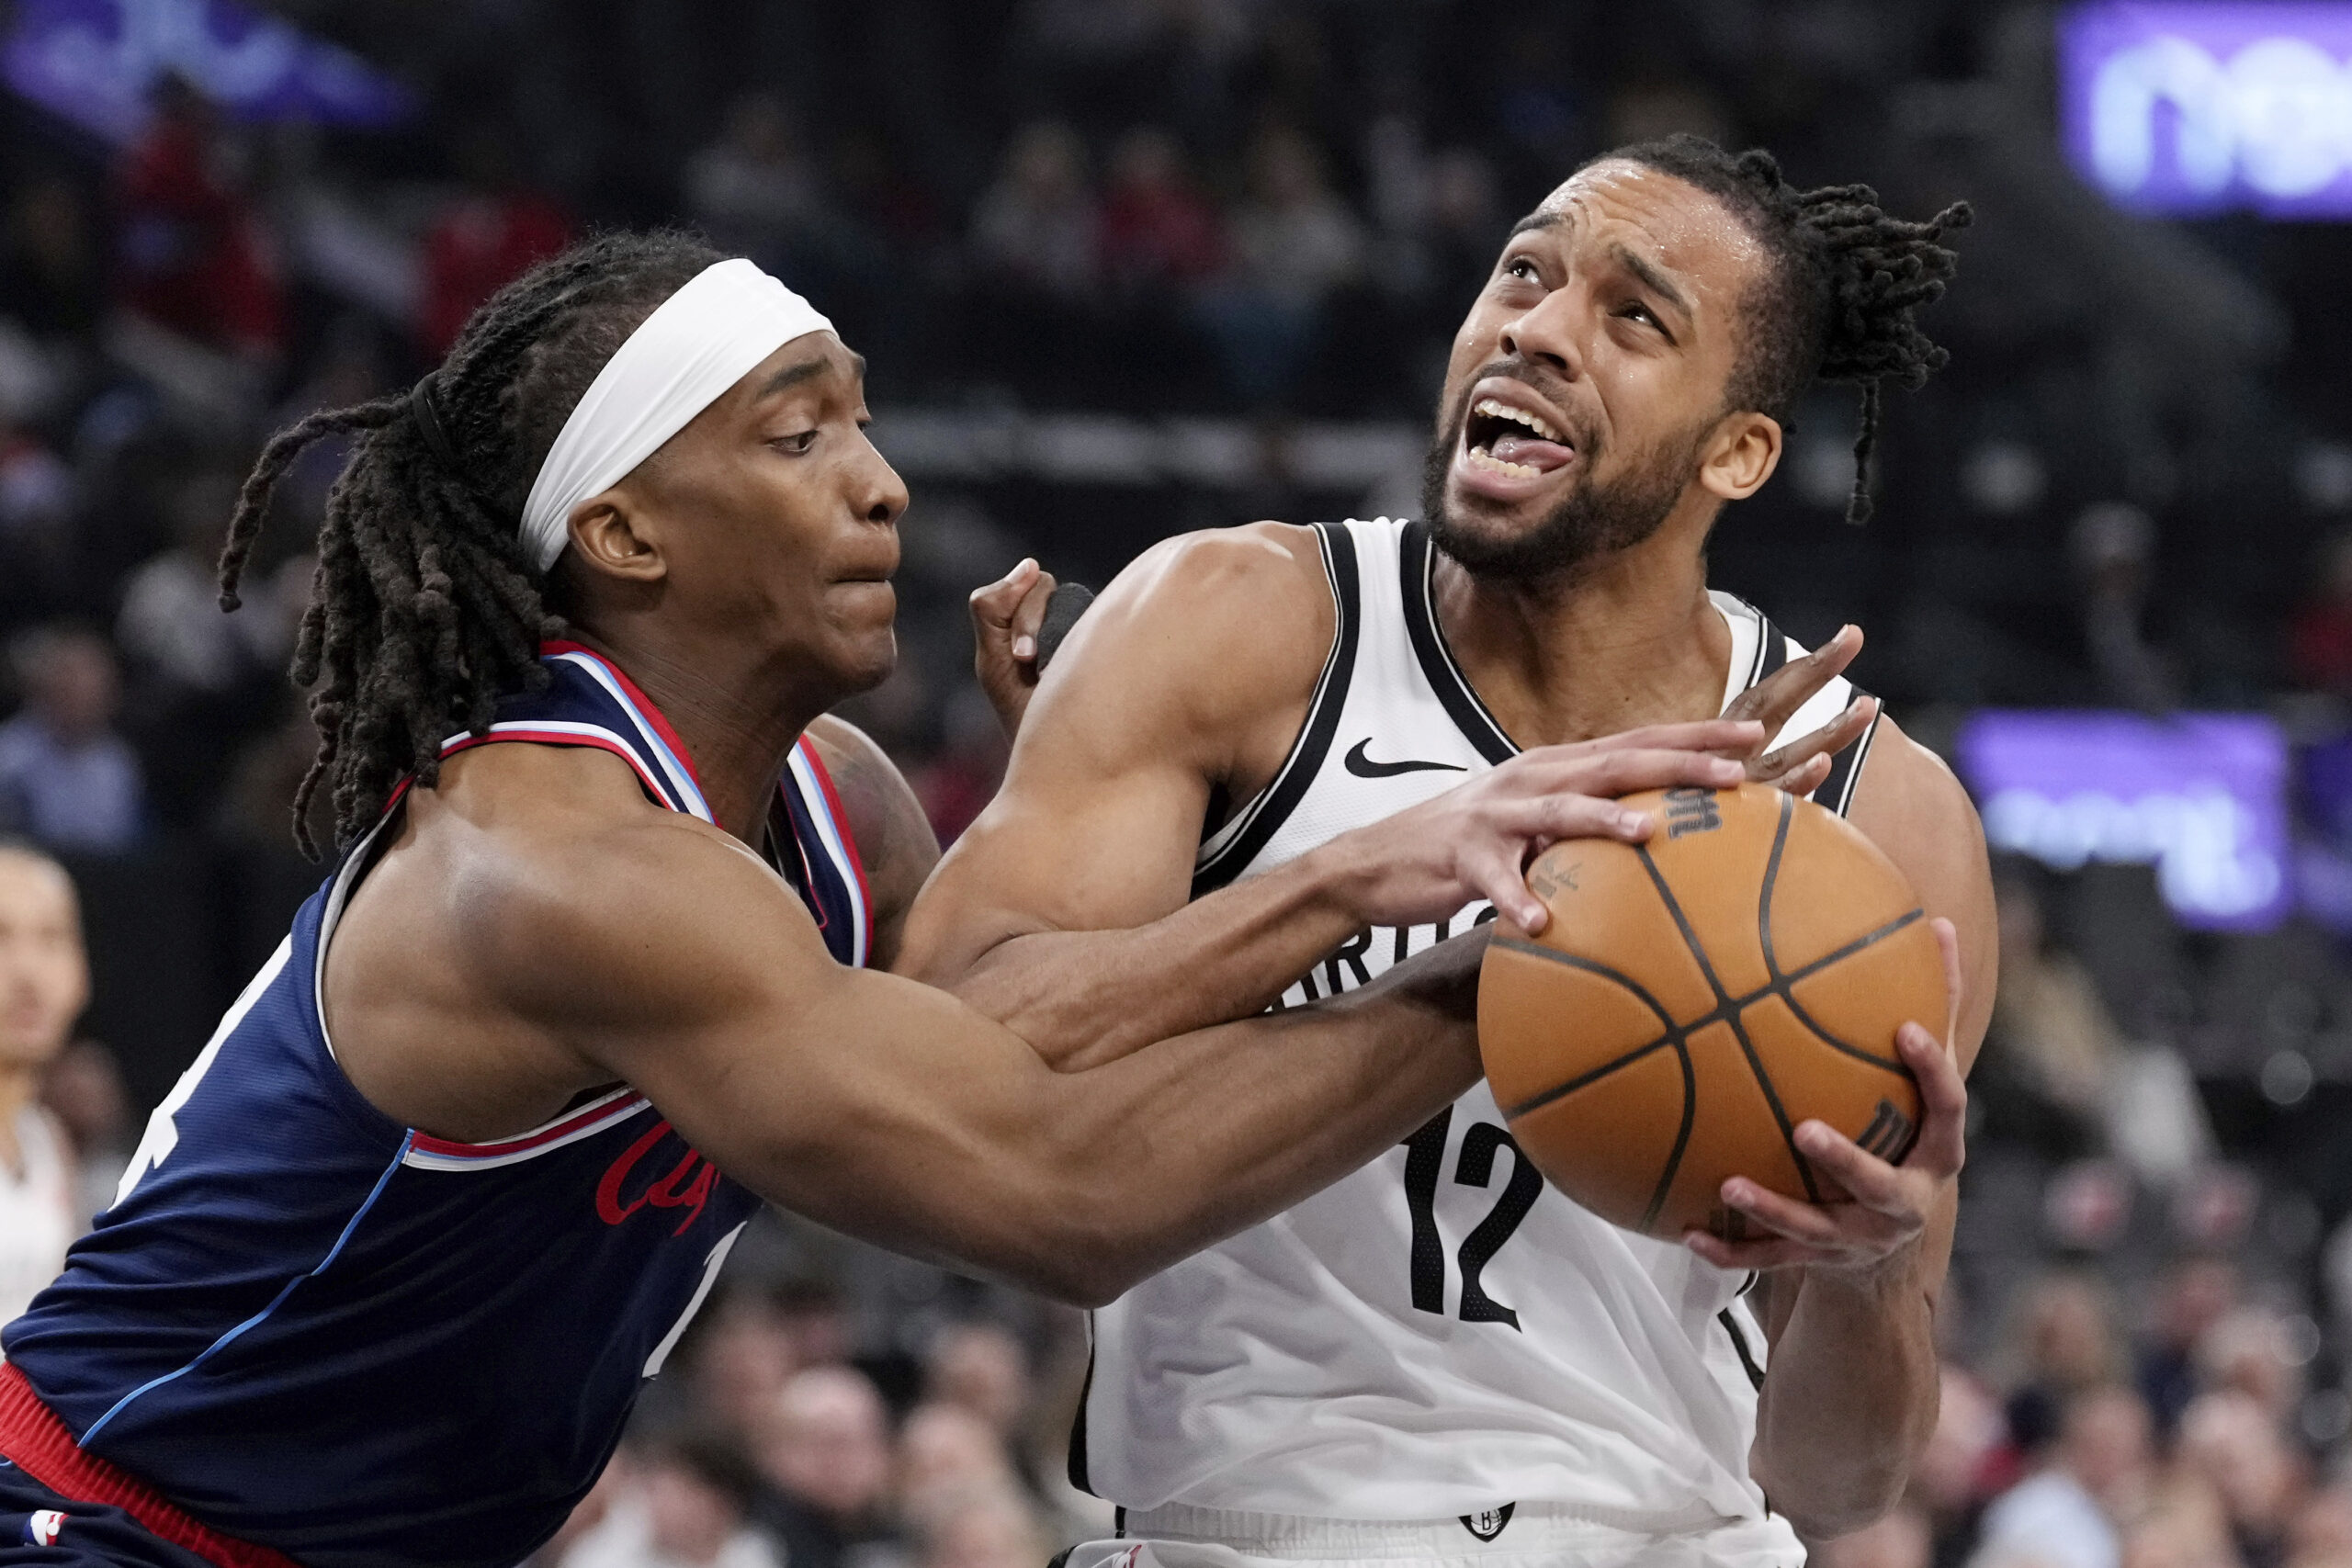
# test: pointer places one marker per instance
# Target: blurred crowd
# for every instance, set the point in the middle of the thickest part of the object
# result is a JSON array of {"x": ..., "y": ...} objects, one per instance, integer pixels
[{"x": 2131, "y": 488}]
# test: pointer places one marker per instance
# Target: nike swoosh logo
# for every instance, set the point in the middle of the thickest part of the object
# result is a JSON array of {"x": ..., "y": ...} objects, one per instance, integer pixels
[{"x": 1363, "y": 767}]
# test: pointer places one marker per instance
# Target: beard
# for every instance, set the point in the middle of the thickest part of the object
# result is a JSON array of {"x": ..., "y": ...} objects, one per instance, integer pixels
[{"x": 1596, "y": 518}]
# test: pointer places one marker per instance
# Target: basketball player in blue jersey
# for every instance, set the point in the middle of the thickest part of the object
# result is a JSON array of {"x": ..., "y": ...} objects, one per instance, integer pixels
[
  {"x": 1439, "y": 1359},
  {"x": 595, "y": 972}
]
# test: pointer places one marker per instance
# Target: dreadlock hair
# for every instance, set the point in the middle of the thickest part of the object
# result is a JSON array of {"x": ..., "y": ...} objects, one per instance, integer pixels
[
  {"x": 425, "y": 608},
  {"x": 1843, "y": 287}
]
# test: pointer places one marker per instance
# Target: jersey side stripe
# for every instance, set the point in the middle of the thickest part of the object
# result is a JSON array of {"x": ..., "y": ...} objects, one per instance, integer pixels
[
  {"x": 1248, "y": 833},
  {"x": 1836, "y": 791},
  {"x": 428, "y": 1152},
  {"x": 564, "y": 732},
  {"x": 258, "y": 1318},
  {"x": 824, "y": 804}
]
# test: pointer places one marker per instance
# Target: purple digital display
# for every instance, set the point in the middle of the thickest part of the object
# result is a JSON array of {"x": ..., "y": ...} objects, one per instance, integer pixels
[
  {"x": 2202, "y": 797},
  {"x": 2174, "y": 107},
  {"x": 93, "y": 61}
]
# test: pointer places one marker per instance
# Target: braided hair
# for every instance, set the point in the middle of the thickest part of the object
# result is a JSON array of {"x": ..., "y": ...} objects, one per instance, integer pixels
[
  {"x": 425, "y": 608},
  {"x": 1843, "y": 284}
]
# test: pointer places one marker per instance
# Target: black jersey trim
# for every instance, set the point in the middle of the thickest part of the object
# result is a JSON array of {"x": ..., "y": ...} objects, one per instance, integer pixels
[
  {"x": 1739, "y": 1346},
  {"x": 1078, "y": 1476},
  {"x": 1264, "y": 816},
  {"x": 1771, "y": 649},
  {"x": 1416, "y": 561},
  {"x": 1836, "y": 791}
]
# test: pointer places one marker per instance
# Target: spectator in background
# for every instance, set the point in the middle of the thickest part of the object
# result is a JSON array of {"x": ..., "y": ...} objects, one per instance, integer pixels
[
  {"x": 2195, "y": 1294},
  {"x": 1967, "y": 1460},
  {"x": 2233, "y": 1445},
  {"x": 980, "y": 1368},
  {"x": 486, "y": 237},
  {"x": 1036, "y": 227},
  {"x": 993, "y": 1529},
  {"x": 753, "y": 189},
  {"x": 825, "y": 1464},
  {"x": 2065, "y": 1342},
  {"x": 170, "y": 628},
  {"x": 744, "y": 1353},
  {"x": 2114, "y": 546},
  {"x": 66, "y": 778},
  {"x": 1159, "y": 232},
  {"x": 44, "y": 983},
  {"x": 190, "y": 254},
  {"x": 1295, "y": 245},
  {"x": 685, "y": 1503},
  {"x": 83, "y": 1090},
  {"x": 2319, "y": 650},
  {"x": 50, "y": 279},
  {"x": 2322, "y": 1536},
  {"x": 2052, "y": 1043},
  {"x": 947, "y": 1456},
  {"x": 2067, "y": 1515}
]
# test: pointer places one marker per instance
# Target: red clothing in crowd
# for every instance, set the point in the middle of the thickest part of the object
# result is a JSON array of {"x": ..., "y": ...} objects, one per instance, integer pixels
[
  {"x": 1162, "y": 232},
  {"x": 191, "y": 254},
  {"x": 478, "y": 246}
]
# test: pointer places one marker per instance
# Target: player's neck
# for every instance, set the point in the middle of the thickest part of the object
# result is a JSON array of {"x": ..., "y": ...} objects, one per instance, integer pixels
[
  {"x": 1629, "y": 640},
  {"x": 738, "y": 710}
]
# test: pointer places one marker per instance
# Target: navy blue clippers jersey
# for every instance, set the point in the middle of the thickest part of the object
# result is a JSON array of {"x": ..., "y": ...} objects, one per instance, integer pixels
[{"x": 322, "y": 1332}]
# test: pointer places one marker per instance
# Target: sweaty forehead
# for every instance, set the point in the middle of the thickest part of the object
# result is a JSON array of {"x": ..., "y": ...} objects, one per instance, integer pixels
[{"x": 1667, "y": 221}]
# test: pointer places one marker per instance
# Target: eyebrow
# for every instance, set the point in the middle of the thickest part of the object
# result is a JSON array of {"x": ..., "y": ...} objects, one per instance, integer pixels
[
  {"x": 1534, "y": 220},
  {"x": 1654, "y": 280},
  {"x": 793, "y": 375}
]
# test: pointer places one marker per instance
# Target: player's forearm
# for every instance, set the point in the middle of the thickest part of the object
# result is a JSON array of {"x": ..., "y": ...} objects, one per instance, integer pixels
[
  {"x": 1849, "y": 1400},
  {"x": 1084, "y": 998},
  {"x": 1204, "y": 1136}
]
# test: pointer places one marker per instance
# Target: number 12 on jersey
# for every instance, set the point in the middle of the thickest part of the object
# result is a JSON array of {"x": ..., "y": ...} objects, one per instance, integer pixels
[{"x": 1424, "y": 1161}]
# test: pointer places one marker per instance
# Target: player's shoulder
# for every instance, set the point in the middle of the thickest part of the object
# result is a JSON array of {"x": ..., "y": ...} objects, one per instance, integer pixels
[
  {"x": 562, "y": 887},
  {"x": 1221, "y": 607},
  {"x": 1907, "y": 788}
]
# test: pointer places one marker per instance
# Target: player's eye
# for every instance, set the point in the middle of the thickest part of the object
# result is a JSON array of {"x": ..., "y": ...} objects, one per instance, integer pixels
[
  {"x": 1638, "y": 312},
  {"x": 796, "y": 445},
  {"x": 1520, "y": 267}
]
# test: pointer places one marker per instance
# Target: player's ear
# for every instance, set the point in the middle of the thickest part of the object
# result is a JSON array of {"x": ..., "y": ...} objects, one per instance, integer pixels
[
  {"x": 606, "y": 539},
  {"x": 1741, "y": 455}
]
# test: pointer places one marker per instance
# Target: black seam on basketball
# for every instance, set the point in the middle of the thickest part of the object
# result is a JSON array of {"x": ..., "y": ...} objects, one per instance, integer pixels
[
  {"x": 1739, "y": 1344},
  {"x": 1771, "y": 974},
  {"x": 1417, "y": 560},
  {"x": 1673, "y": 1034},
  {"x": 1281, "y": 798},
  {"x": 1783, "y": 988},
  {"x": 1681, "y": 1135}
]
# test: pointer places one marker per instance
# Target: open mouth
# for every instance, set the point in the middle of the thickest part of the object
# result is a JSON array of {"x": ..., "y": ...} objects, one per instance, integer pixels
[{"x": 1503, "y": 439}]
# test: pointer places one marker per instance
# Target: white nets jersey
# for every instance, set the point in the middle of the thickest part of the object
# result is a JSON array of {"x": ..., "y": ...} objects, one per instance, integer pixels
[{"x": 1440, "y": 1332}]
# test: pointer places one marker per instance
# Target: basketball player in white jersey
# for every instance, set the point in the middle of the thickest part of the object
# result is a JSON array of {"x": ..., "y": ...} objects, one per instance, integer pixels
[{"x": 1439, "y": 1359}]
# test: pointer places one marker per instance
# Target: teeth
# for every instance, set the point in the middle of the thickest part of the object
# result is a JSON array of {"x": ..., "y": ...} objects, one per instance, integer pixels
[
  {"x": 1496, "y": 407},
  {"x": 1482, "y": 459}
]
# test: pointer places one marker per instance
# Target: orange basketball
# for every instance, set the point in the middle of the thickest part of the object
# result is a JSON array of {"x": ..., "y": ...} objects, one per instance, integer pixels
[{"x": 1697, "y": 997}]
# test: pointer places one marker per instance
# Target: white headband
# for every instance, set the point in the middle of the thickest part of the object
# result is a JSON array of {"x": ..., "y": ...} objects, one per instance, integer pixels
[{"x": 699, "y": 341}]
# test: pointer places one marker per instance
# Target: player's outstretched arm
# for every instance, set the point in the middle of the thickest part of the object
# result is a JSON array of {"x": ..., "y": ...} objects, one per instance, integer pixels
[
  {"x": 1851, "y": 1288},
  {"x": 1063, "y": 910},
  {"x": 673, "y": 959}
]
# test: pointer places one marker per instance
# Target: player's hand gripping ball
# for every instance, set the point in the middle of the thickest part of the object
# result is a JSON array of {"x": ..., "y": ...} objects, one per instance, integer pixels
[{"x": 1698, "y": 997}]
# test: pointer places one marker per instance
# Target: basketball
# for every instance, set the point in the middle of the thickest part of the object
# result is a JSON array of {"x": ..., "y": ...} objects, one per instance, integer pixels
[{"x": 1696, "y": 997}]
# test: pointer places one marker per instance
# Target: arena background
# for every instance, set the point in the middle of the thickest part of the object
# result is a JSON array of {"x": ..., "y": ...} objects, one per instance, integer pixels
[{"x": 1126, "y": 267}]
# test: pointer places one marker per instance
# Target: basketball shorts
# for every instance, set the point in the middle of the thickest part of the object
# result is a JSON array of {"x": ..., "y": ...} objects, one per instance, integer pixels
[
  {"x": 1525, "y": 1536},
  {"x": 36, "y": 1526}
]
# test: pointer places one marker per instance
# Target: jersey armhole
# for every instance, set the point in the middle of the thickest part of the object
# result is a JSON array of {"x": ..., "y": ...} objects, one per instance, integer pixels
[{"x": 1233, "y": 846}]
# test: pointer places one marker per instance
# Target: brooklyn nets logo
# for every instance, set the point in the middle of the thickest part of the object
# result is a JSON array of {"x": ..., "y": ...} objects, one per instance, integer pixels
[{"x": 1488, "y": 1523}]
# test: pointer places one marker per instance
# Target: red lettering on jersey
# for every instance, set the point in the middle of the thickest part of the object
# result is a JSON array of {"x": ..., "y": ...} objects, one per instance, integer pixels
[{"x": 665, "y": 1193}]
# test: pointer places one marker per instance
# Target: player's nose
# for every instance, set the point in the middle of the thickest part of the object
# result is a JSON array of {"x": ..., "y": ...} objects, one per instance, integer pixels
[
  {"x": 878, "y": 494},
  {"x": 1546, "y": 334}
]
